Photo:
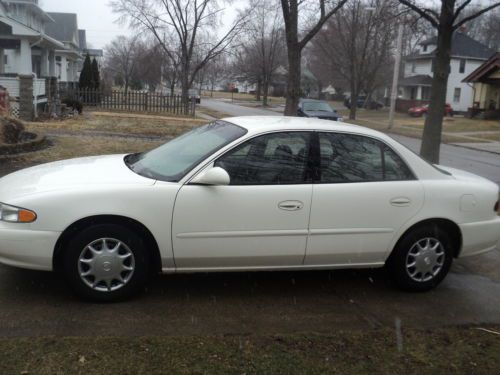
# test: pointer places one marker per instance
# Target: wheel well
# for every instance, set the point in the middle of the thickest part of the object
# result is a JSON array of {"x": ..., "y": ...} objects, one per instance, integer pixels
[
  {"x": 447, "y": 225},
  {"x": 132, "y": 224}
]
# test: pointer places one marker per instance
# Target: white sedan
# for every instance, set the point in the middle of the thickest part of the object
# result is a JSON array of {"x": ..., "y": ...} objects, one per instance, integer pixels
[{"x": 246, "y": 194}]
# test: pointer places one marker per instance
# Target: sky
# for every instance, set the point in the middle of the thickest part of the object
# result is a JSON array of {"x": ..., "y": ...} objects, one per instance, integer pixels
[{"x": 96, "y": 17}]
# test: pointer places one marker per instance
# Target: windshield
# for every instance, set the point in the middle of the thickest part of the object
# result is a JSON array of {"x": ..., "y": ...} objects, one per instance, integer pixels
[
  {"x": 317, "y": 106},
  {"x": 171, "y": 161}
]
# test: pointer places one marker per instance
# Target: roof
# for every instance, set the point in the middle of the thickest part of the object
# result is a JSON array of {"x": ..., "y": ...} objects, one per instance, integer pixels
[
  {"x": 462, "y": 45},
  {"x": 95, "y": 52},
  {"x": 256, "y": 124},
  {"x": 485, "y": 69},
  {"x": 416, "y": 80},
  {"x": 17, "y": 28},
  {"x": 82, "y": 39},
  {"x": 34, "y": 7},
  {"x": 64, "y": 28}
]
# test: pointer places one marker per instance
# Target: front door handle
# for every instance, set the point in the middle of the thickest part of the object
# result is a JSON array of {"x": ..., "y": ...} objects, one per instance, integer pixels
[
  {"x": 291, "y": 205},
  {"x": 400, "y": 201}
]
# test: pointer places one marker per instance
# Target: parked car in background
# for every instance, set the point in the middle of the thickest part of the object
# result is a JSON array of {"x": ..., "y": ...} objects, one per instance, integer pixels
[
  {"x": 317, "y": 109},
  {"x": 247, "y": 194},
  {"x": 419, "y": 111},
  {"x": 194, "y": 95},
  {"x": 364, "y": 102}
]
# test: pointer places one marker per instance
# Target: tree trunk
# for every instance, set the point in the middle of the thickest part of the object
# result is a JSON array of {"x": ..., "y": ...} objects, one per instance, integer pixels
[
  {"x": 172, "y": 89},
  {"x": 354, "y": 101},
  {"x": 265, "y": 91},
  {"x": 293, "y": 82},
  {"x": 258, "y": 90},
  {"x": 431, "y": 139}
]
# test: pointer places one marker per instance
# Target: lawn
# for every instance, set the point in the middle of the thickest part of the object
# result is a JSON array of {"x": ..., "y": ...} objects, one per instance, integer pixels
[{"x": 440, "y": 351}]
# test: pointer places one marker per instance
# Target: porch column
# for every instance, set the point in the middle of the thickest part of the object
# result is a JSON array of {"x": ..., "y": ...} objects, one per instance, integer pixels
[
  {"x": 44, "y": 65},
  {"x": 64, "y": 69},
  {"x": 2, "y": 61},
  {"x": 52, "y": 63},
  {"x": 25, "y": 65},
  {"x": 419, "y": 92}
]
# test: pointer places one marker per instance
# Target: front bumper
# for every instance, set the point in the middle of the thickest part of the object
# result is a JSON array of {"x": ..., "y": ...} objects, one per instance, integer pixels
[
  {"x": 480, "y": 237},
  {"x": 27, "y": 248}
]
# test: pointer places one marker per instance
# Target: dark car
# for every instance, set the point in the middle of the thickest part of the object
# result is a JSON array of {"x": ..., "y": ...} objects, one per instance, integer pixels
[
  {"x": 422, "y": 110},
  {"x": 317, "y": 109},
  {"x": 363, "y": 102}
]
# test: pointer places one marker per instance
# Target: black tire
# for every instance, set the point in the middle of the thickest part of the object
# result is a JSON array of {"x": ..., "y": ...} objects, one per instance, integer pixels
[
  {"x": 130, "y": 243},
  {"x": 397, "y": 262}
]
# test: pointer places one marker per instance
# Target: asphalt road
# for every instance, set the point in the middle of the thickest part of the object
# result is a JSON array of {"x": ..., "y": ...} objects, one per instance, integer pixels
[{"x": 39, "y": 304}]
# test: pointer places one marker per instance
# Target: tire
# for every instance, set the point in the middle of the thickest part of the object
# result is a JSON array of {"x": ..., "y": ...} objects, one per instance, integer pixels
[
  {"x": 120, "y": 258},
  {"x": 431, "y": 266}
]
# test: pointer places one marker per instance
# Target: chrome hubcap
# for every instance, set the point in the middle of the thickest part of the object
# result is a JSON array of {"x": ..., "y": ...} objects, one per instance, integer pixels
[
  {"x": 425, "y": 259},
  {"x": 106, "y": 264}
]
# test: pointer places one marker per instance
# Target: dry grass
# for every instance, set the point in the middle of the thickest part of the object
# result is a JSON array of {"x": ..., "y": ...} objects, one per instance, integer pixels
[
  {"x": 119, "y": 124},
  {"x": 241, "y": 97},
  {"x": 212, "y": 112}
]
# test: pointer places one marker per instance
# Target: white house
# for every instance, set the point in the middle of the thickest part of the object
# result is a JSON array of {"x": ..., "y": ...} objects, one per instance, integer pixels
[{"x": 467, "y": 55}]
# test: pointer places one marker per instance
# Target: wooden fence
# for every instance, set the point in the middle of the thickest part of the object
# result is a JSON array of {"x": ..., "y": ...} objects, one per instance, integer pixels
[{"x": 131, "y": 101}]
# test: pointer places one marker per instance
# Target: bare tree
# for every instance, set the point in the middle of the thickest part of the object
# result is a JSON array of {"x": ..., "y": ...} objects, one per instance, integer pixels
[
  {"x": 122, "y": 57},
  {"x": 446, "y": 20},
  {"x": 356, "y": 44},
  {"x": 295, "y": 11},
  {"x": 188, "y": 21},
  {"x": 215, "y": 70}
]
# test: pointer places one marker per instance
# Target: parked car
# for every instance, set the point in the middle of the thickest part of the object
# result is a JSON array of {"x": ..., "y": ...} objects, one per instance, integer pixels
[
  {"x": 422, "y": 110},
  {"x": 317, "y": 109},
  {"x": 246, "y": 194},
  {"x": 194, "y": 95},
  {"x": 363, "y": 102}
]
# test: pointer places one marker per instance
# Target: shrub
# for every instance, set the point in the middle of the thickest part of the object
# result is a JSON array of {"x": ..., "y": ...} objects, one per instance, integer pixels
[
  {"x": 10, "y": 130},
  {"x": 74, "y": 104}
]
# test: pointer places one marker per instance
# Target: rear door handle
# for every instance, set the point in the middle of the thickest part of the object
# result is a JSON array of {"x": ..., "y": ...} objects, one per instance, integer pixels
[
  {"x": 291, "y": 205},
  {"x": 400, "y": 201}
]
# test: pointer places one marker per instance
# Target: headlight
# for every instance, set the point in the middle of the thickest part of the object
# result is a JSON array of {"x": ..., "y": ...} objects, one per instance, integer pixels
[{"x": 13, "y": 214}]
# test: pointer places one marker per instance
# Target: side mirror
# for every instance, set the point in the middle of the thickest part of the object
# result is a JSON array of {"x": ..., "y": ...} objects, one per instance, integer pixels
[{"x": 213, "y": 176}]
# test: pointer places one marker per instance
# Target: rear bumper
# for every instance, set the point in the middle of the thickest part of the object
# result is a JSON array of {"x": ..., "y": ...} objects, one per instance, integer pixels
[
  {"x": 27, "y": 248},
  {"x": 480, "y": 237}
]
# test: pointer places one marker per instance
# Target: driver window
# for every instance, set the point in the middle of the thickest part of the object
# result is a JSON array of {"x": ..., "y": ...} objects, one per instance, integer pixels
[{"x": 271, "y": 159}]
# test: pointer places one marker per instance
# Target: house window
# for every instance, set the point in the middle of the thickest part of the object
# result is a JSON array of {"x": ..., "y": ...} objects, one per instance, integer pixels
[
  {"x": 413, "y": 67},
  {"x": 425, "y": 48},
  {"x": 456, "y": 94},
  {"x": 462, "y": 66},
  {"x": 6, "y": 60}
]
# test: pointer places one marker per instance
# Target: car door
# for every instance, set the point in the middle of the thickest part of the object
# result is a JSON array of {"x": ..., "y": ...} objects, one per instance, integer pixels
[
  {"x": 363, "y": 194},
  {"x": 260, "y": 219}
]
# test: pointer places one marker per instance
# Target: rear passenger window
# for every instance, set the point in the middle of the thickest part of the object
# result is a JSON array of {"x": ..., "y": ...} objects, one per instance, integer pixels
[{"x": 353, "y": 158}]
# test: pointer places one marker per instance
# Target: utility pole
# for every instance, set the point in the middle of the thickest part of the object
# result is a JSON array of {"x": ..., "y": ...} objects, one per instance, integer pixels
[{"x": 395, "y": 78}]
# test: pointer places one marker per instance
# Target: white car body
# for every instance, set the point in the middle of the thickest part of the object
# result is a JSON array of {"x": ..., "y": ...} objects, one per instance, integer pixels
[{"x": 227, "y": 228}]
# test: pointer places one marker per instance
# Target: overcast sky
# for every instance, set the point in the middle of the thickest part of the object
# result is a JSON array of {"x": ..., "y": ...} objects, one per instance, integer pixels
[{"x": 96, "y": 17}]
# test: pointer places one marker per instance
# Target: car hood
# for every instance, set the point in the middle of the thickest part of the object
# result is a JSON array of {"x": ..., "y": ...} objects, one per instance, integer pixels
[
  {"x": 322, "y": 114},
  {"x": 69, "y": 174}
]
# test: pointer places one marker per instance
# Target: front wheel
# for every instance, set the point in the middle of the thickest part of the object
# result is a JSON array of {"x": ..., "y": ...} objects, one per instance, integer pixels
[
  {"x": 421, "y": 259},
  {"x": 106, "y": 262}
]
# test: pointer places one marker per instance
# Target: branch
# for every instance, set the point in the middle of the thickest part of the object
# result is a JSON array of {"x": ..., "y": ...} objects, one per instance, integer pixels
[
  {"x": 423, "y": 12},
  {"x": 324, "y": 17},
  {"x": 475, "y": 15}
]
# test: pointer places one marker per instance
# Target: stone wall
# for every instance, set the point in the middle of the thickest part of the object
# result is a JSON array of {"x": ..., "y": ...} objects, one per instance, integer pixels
[{"x": 26, "y": 97}]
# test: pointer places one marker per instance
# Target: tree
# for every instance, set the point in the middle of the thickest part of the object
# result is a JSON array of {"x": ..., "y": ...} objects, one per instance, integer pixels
[
  {"x": 356, "y": 44},
  {"x": 446, "y": 20},
  {"x": 96, "y": 75},
  {"x": 292, "y": 11},
  {"x": 188, "y": 21},
  {"x": 86, "y": 77},
  {"x": 122, "y": 59}
]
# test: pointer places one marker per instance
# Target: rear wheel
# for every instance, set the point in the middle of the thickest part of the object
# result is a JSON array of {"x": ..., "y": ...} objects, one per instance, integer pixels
[
  {"x": 106, "y": 262},
  {"x": 421, "y": 259}
]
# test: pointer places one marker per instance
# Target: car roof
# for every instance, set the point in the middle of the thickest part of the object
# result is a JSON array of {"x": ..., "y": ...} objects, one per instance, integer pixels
[{"x": 260, "y": 124}]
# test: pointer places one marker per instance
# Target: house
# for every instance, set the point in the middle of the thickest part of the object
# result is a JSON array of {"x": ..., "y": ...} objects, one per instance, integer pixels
[
  {"x": 486, "y": 88},
  {"x": 27, "y": 55},
  {"x": 467, "y": 55},
  {"x": 96, "y": 54},
  {"x": 65, "y": 29}
]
